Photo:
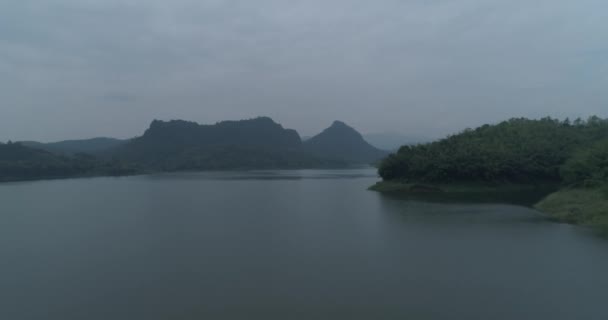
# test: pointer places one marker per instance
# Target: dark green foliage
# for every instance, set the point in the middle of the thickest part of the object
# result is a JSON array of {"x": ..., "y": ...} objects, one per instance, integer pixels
[
  {"x": 604, "y": 190},
  {"x": 588, "y": 167},
  {"x": 517, "y": 151},
  {"x": 343, "y": 143}
]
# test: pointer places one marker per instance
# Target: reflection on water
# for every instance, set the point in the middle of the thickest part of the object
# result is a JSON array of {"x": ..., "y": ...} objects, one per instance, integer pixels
[
  {"x": 307, "y": 244},
  {"x": 524, "y": 197},
  {"x": 268, "y": 175}
]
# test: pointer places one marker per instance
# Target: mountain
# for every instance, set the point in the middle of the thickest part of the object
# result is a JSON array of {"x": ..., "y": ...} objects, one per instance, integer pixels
[
  {"x": 246, "y": 144},
  {"x": 19, "y": 162},
  {"x": 90, "y": 146},
  {"x": 258, "y": 143},
  {"x": 341, "y": 142}
]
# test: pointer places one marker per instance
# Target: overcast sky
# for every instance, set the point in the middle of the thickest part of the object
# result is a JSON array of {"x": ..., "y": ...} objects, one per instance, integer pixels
[{"x": 85, "y": 68}]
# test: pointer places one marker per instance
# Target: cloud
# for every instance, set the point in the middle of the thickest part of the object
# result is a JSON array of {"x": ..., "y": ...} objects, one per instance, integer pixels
[
  {"x": 118, "y": 97},
  {"x": 418, "y": 67}
]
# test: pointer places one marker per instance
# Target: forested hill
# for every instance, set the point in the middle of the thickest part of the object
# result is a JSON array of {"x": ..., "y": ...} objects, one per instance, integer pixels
[
  {"x": 256, "y": 143},
  {"x": 519, "y": 151},
  {"x": 70, "y": 147},
  {"x": 341, "y": 142},
  {"x": 18, "y": 162}
]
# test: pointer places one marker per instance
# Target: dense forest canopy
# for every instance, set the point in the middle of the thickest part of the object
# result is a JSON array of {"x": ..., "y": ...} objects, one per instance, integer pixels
[
  {"x": 588, "y": 167},
  {"x": 518, "y": 150}
]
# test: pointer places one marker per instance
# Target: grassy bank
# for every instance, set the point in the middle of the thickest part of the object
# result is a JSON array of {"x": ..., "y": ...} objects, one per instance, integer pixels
[{"x": 587, "y": 207}]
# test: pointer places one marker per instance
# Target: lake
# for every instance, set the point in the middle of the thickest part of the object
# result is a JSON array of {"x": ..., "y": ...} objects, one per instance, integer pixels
[{"x": 304, "y": 244}]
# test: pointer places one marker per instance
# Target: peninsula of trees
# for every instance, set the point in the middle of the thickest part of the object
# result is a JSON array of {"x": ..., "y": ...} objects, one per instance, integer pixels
[{"x": 572, "y": 156}]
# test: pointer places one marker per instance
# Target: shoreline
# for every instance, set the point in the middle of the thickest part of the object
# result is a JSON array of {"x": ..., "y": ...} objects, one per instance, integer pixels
[
  {"x": 458, "y": 188},
  {"x": 5, "y": 180},
  {"x": 576, "y": 206}
]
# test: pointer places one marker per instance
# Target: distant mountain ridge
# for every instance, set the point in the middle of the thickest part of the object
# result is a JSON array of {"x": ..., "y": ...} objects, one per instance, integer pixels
[
  {"x": 175, "y": 145},
  {"x": 262, "y": 131},
  {"x": 252, "y": 143},
  {"x": 20, "y": 162},
  {"x": 258, "y": 143},
  {"x": 342, "y": 142},
  {"x": 90, "y": 146}
]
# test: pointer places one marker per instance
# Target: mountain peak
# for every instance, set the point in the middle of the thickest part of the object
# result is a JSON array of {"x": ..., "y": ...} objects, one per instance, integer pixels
[
  {"x": 338, "y": 123},
  {"x": 340, "y": 130},
  {"x": 341, "y": 141}
]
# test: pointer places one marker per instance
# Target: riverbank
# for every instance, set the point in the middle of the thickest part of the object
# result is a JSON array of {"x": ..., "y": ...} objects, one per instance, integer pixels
[{"x": 587, "y": 207}]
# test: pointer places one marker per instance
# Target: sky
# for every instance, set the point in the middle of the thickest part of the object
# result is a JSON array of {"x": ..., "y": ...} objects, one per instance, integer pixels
[{"x": 87, "y": 68}]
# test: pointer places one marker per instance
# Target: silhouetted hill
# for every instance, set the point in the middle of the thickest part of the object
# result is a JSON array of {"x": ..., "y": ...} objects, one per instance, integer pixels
[
  {"x": 90, "y": 146},
  {"x": 256, "y": 143},
  {"x": 13, "y": 152},
  {"x": 19, "y": 162},
  {"x": 341, "y": 142},
  {"x": 259, "y": 132}
]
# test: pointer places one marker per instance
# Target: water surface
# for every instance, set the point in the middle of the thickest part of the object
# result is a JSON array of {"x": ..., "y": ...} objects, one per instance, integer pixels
[{"x": 307, "y": 244}]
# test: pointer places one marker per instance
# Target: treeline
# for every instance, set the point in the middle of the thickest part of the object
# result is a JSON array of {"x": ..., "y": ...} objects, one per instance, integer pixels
[
  {"x": 18, "y": 162},
  {"x": 515, "y": 151}
]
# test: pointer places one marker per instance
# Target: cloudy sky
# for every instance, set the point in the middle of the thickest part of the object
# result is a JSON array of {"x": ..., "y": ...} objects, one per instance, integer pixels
[{"x": 85, "y": 68}]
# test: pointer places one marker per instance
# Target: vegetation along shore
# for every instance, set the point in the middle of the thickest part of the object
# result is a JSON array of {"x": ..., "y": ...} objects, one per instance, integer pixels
[{"x": 515, "y": 155}]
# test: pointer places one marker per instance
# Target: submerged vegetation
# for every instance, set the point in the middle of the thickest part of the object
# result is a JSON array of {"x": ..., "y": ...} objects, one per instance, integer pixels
[{"x": 524, "y": 152}]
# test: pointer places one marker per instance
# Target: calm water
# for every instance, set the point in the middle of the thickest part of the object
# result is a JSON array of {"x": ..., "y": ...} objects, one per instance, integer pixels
[{"x": 284, "y": 245}]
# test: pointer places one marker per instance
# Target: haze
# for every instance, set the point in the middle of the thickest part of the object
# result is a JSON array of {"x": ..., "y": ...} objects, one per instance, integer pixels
[{"x": 77, "y": 69}]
